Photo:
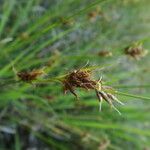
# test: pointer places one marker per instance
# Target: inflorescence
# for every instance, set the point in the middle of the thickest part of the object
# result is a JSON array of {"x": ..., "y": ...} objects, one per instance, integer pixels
[{"x": 82, "y": 79}]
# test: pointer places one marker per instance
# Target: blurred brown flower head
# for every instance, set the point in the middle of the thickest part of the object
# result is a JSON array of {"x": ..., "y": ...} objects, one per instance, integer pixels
[
  {"x": 67, "y": 22},
  {"x": 105, "y": 53},
  {"x": 29, "y": 76},
  {"x": 136, "y": 51},
  {"x": 93, "y": 15}
]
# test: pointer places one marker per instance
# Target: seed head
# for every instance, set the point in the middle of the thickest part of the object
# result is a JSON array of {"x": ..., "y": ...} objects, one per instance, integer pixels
[
  {"x": 82, "y": 79},
  {"x": 136, "y": 51},
  {"x": 29, "y": 76},
  {"x": 93, "y": 15},
  {"x": 78, "y": 79},
  {"x": 105, "y": 53},
  {"x": 67, "y": 22}
]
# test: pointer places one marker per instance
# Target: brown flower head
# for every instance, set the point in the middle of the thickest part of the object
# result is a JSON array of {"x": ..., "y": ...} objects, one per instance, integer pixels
[
  {"x": 97, "y": 13},
  {"x": 78, "y": 78},
  {"x": 105, "y": 53},
  {"x": 67, "y": 22},
  {"x": 82, "y": 79},
  {"x": 29, "y": 76},
  {"x": 93, "y": 15},
  {"x": 136, "y": 51}
]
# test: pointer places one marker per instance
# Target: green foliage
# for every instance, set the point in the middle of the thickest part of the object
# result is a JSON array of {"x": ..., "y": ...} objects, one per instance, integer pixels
[{"x": 61, "y": 36}]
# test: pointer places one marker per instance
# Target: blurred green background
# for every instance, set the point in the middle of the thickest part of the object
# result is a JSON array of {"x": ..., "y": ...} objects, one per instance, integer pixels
[{"x": 64, "y": 35}]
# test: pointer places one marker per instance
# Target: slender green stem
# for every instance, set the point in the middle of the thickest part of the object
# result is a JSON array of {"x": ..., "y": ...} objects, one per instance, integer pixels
[
  {"x": 86, "y": 8},
  {"x": 131, "y": 86},
  {"x": 131, "y": 95},
  {"x": 47, "y": 80},
  {"x": 17, "y": 44}
]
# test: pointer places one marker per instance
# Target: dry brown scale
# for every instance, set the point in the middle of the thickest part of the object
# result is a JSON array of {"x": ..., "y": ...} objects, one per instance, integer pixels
[{"x": 78, "y": 78}]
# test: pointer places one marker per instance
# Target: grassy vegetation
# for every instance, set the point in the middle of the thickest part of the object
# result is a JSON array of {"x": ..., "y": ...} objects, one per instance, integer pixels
[{"x": 58, "y": 37}]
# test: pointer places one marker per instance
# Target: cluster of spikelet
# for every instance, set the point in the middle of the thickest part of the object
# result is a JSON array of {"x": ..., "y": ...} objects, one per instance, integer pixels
[
  {"x": 82, "y": 79},
  {"x": 136, "y": 51}
]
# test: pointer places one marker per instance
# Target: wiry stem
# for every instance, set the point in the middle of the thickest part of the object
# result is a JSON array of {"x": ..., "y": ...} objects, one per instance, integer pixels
[
  {"x": 131, "y": 86},
  {"x": 131, "y": 95}
]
